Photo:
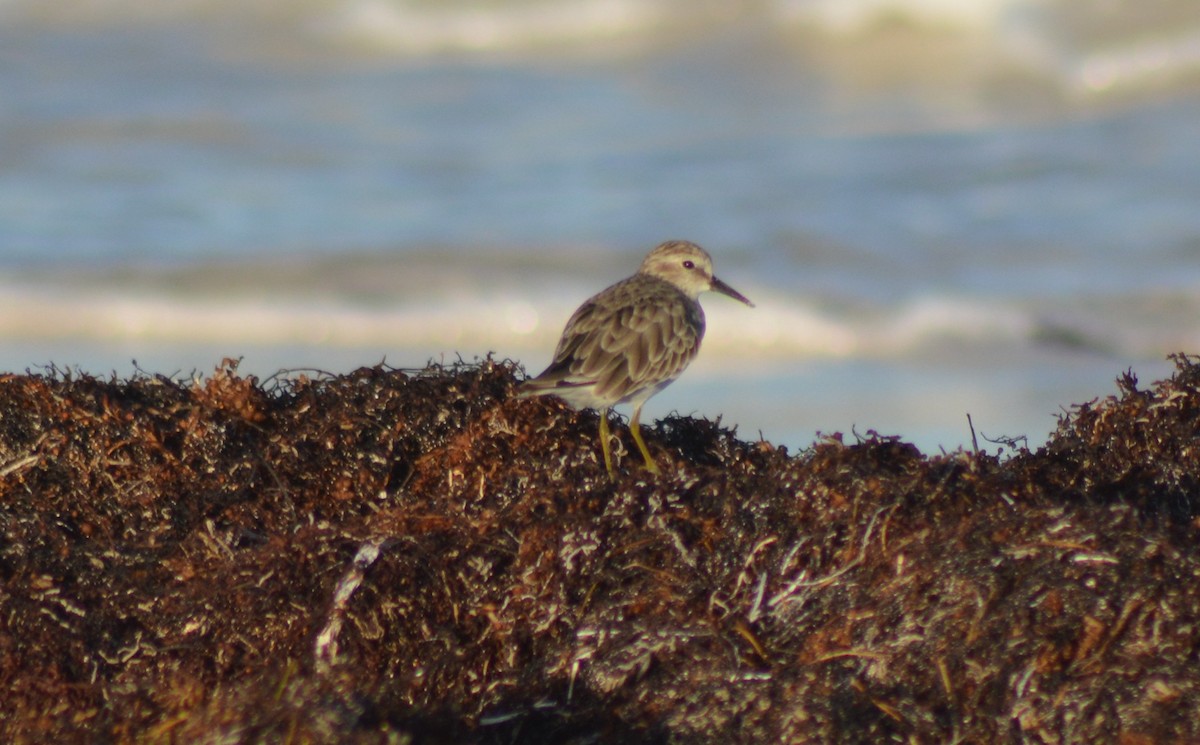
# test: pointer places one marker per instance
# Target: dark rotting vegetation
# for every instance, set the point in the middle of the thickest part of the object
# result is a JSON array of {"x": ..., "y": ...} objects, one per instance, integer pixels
[{"x": 418, "y": 556}]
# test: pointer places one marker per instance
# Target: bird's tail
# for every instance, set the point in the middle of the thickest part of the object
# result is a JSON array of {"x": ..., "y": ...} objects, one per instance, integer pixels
[{"x": 540, "y": 386}]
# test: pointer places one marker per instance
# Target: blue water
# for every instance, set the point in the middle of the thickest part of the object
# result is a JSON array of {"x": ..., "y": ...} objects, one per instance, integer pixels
[{"x": 988, "y": 210}]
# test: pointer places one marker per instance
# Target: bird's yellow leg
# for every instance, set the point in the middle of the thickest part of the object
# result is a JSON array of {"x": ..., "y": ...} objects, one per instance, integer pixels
[
  {"x": 636, "y": 431},
  {"x": 608, "y": 466}
]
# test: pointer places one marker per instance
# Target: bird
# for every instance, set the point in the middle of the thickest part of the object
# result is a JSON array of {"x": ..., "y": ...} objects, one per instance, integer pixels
[{"x": 633, "y": 339}]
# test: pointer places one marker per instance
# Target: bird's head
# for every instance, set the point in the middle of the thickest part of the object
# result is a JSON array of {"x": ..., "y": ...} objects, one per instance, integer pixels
[{"x": 688, "y": 267}]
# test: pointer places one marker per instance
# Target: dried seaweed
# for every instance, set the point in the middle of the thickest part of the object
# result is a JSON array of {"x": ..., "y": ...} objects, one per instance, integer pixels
[{"x": 417, "y": 556}]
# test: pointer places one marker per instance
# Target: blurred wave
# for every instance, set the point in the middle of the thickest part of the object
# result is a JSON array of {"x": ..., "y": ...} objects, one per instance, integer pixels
[
  {"x": 1080, "y": 48},
  {"x": 398, "y": 305}
]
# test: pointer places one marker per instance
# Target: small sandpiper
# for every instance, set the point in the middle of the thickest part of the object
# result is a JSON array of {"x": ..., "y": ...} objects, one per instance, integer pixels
[{"x": 630, "y": 341}]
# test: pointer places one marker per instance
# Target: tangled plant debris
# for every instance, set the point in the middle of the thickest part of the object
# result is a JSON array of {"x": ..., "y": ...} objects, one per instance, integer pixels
[{"x": 419, "y": 557}]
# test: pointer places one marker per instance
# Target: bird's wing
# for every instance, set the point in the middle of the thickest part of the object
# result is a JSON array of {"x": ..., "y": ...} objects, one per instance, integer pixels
[{"x": 626, "y": 344}]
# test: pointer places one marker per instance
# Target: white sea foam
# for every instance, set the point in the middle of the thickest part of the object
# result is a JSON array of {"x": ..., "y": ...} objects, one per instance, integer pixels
[
  {"x": 1149, "y": 63},
  {"x": 858, "y": 16},
  {"x": 1090, "y": 48},
  {"x": 779, "y": 330},
  {"x": 421, "y": 29}
]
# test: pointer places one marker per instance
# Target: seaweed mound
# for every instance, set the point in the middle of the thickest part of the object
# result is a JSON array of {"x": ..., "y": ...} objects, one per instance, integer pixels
[{"x": 420, "y": 557}]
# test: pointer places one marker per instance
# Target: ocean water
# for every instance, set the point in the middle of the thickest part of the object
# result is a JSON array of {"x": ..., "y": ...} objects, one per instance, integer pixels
[{"x": 942, "y": 208}]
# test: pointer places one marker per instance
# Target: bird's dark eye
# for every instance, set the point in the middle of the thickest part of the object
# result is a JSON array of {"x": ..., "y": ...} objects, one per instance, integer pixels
[{"x": 689, "y": 264}]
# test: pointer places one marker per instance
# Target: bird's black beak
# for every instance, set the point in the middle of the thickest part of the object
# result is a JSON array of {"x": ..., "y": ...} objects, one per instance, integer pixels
[{"x": 724, "y": 289}]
